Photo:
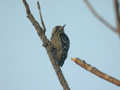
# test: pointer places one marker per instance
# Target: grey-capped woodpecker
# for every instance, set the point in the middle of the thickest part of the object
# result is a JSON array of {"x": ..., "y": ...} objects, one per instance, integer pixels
[{"x": 61, "y": 43}]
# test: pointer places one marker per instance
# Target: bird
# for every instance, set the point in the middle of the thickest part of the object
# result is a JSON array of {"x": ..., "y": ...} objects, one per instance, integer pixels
[{"x": 61, "y": 43}]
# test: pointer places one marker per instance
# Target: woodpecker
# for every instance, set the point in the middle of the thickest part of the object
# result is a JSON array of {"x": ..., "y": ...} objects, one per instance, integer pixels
[{"x": 61, "y": 43}]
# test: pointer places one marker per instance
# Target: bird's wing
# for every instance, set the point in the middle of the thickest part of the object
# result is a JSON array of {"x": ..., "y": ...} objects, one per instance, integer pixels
[{"x": 65, "y": 41}]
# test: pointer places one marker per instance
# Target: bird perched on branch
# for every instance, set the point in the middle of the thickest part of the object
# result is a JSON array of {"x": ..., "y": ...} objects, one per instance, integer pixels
[{"x": 61, "y": 43}]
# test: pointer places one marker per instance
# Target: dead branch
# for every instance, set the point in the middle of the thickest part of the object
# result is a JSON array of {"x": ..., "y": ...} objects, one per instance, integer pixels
[
  {"x": 116, "y": 5},
  {"x": 95, "y": 71},
  {"x": 99, "y": 17},
  {"x": 42, "y": 21},
  {"x": 48, "y": 46}
]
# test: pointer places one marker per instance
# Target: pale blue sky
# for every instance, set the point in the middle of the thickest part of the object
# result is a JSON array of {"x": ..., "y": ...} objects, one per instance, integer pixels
[{"x": 24, "y": 64}]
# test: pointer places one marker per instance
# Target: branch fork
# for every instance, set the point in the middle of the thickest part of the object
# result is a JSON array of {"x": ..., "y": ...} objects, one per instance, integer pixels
[{"x": 46, "y": 43}]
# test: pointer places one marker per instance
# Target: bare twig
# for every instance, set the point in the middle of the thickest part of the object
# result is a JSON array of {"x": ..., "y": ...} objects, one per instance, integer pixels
[
  {"x": 99, "y": 17},
  {"x": 95, "y": 71},
  {"x": 48, "y": 46},
  {"x": 42, "y": 21},
  {"x": 116, "y": 5}
]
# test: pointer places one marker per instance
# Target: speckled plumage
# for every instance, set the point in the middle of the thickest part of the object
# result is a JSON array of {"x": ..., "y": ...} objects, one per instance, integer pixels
[{"x": 61, "y": 43}]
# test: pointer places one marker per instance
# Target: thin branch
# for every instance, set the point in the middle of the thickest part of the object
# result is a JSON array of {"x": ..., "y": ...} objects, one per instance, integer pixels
[
  {"x": 95, "y": 71},
  {"x": 42, "y": 21},
  {"x": 31, "y": 17},
  {"x": 99, "y": 17},
  {"x": 116, "y": 5},
  {"x": 48, "y": 46}
]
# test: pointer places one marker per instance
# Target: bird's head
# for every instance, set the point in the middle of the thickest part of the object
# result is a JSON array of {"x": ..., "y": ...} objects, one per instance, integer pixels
[{"x": 58, "y": 29}]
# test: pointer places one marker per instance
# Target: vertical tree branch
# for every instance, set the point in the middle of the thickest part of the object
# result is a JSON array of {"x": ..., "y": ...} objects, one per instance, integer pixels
[
  {"x": 42, "y": 21},
  {"x": 48, "y": 46},
  {"x": 116, "y": 5}
]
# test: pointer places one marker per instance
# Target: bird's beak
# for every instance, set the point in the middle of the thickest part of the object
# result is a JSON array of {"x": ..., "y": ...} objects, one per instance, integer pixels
[{"x": 64, "y": 26}]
